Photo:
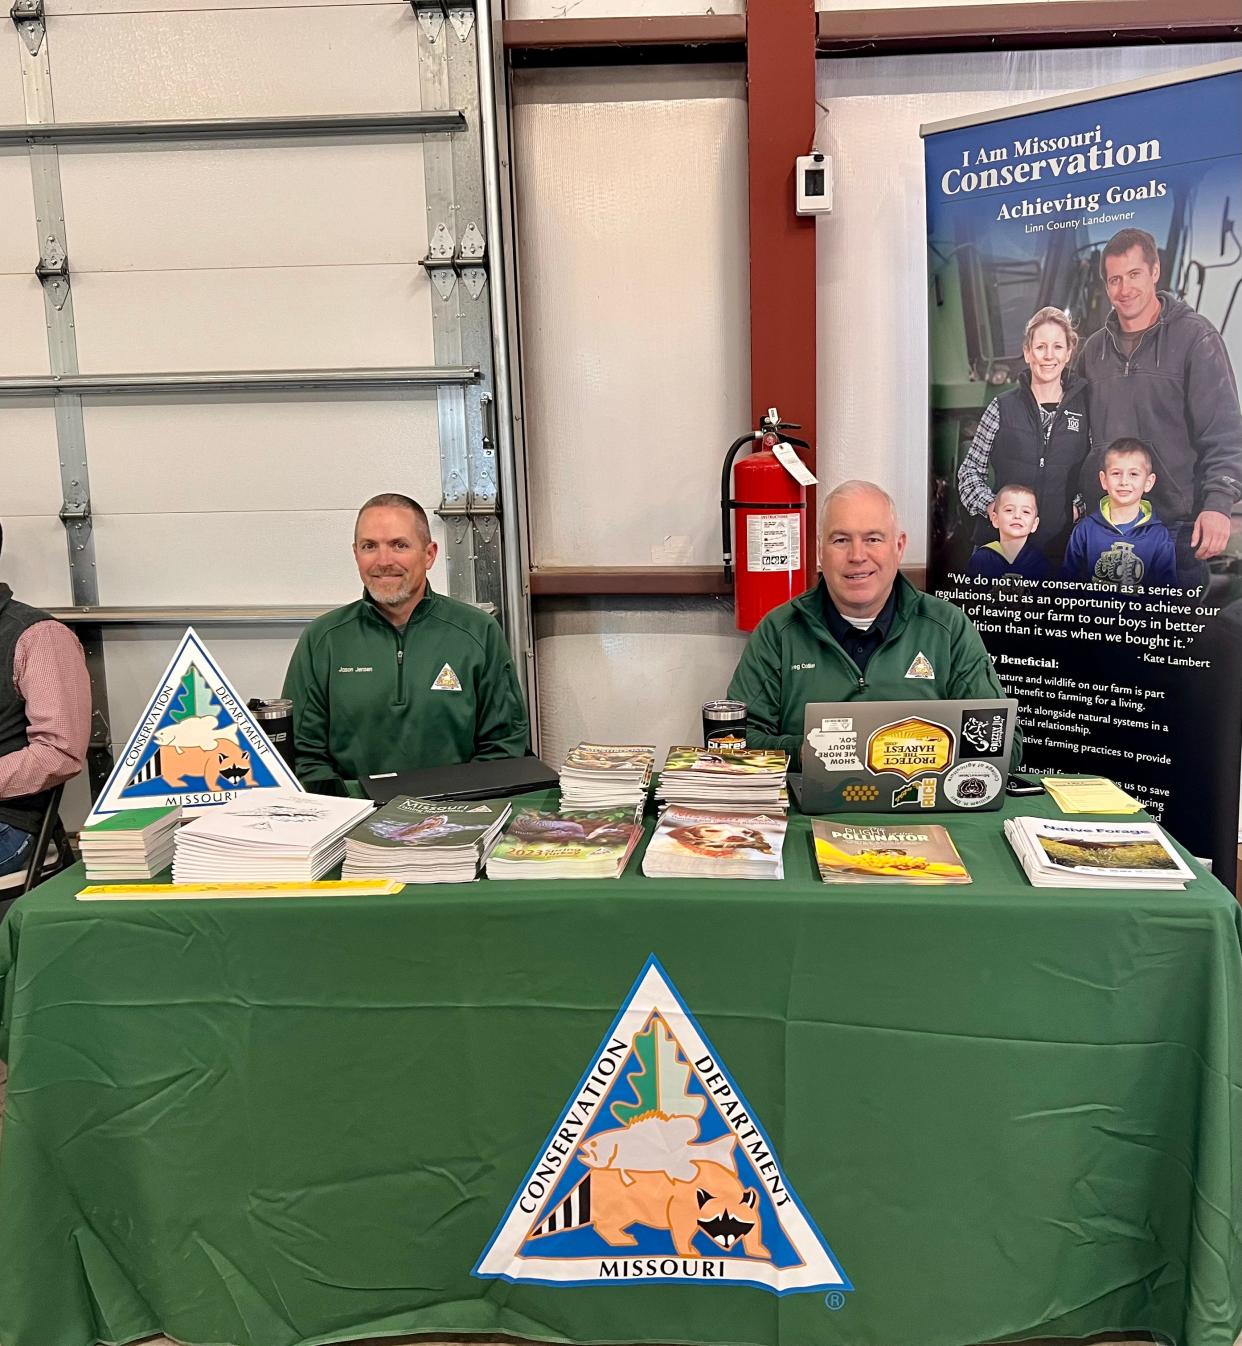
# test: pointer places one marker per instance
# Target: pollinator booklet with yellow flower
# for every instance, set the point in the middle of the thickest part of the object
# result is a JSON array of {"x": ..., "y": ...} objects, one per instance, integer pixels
[{"x": 886, "y": 854}]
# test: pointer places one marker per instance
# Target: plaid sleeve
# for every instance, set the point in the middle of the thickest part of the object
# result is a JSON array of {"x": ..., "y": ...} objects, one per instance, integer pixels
[{"x": 972, "y": 475}]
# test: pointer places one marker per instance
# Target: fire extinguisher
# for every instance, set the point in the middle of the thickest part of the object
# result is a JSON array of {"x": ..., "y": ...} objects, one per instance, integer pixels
[{"x": 769, "y": 538}]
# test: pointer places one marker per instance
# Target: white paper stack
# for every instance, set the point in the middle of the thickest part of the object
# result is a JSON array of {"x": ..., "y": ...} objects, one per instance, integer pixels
[
  {"x": 714, "y": 844},
  {"x": 606, "y": 775},
  {"x": 278, "y": 836},
  {"x": 750, "y": 781},
  {"x": 425, "y": 840},
  {"x": 1078, "y": 854},
  {"x": 131, "y": 844}
]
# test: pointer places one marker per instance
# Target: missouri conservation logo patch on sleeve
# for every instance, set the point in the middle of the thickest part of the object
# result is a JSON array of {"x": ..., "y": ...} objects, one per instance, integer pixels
[{"x": 658, "y": 1170}]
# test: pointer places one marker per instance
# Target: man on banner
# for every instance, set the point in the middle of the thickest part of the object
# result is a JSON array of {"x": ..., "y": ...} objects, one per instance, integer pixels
[
  {"x": 1159, "y": 372},
  {"x": 45, "y": 723},
  {"x": 405, "y": 677},
  {"x": 863, "y": 633}
]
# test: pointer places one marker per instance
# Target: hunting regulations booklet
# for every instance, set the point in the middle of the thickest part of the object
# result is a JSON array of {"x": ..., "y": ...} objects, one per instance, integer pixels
[
  {"x": 715, "y": 844},
  {"x": 425, "y": 840},
  {"x": 568, "y": 844},
  {"x": 1079, "y": 854},
  {"x": 887, "y": 853}
]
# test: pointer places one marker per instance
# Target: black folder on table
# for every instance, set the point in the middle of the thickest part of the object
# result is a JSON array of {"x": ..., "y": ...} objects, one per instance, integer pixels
[{"x": 464, "y": 780}]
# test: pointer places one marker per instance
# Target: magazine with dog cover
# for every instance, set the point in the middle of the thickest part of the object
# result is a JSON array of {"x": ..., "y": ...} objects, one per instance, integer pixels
[
  {"x": 885, "y": 853},
  {"x": 716, "y": 844}
]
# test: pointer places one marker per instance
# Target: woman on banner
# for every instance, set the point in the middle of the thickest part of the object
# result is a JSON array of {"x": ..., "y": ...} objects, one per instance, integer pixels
[{"x": 1035, "y": 435}]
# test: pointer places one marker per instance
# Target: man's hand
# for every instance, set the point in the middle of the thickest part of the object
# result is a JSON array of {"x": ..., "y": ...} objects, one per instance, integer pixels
[{"x": 1210, "y": 535}]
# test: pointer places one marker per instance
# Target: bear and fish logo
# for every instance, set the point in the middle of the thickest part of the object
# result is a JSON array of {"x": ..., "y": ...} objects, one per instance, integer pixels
[
  {"x": 195, "y": 744},
  {"x": 659, "y": 1170}
]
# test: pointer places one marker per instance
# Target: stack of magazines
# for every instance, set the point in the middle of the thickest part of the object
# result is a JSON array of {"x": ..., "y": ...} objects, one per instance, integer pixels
[
  {"x": 425, "y": 840},
  {"x": 886, "y": 853},
  {"x": 749, "y": 781},
  {"x": 1061, "y": 854},
  {"x": 606, "y": 775},
  {"x": 714, "y": 844},
  {"x": 132, "y": 844},
  {"x": 266, "y": 836},
  {"x": 570, "y": 844}
]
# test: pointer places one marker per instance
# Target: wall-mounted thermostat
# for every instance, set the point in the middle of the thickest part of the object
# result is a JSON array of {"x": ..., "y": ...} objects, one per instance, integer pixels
[{"x": 814, "y": 181}]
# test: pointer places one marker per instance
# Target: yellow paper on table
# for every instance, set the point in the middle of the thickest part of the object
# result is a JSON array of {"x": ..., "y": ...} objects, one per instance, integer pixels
[
  {"x": 1089, "y": 794},
  {"x": 104, "y": 892}
]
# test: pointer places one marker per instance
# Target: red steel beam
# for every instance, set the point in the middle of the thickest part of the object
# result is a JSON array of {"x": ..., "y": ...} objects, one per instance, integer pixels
[{"x": 780, "y": 75}]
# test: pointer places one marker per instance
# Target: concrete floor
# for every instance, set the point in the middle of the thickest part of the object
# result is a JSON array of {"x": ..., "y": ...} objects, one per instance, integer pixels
[{"x": 508, "y": 1341}]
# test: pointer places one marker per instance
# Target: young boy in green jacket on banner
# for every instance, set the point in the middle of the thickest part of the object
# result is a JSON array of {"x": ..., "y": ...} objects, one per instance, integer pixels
[
  {"x": 864, "y": 633},
  {"x": 405, "y": 677}
]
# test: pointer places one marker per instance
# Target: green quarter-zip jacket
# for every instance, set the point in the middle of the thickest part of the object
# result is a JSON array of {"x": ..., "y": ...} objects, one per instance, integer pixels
[
  {"x": 932, "y": 652},
  {"x": 370, "y": 697}
]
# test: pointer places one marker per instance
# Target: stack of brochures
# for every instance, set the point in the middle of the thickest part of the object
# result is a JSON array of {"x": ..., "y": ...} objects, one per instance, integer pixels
[
  {"x": 749, "y": 781},
  {"x": 278, "y": 836},
  {"x": 570, "y": 844},
  {"x": 132, "y": 844},
  {"x": 1057, "y": 854},
  {"x": 886, "y": 853},
  {"x": 1089, "y": 794},
  {"x": 606, "y": 775},
  {"x": 715, "y": 844},
  {"x": 425, "y": 840}
]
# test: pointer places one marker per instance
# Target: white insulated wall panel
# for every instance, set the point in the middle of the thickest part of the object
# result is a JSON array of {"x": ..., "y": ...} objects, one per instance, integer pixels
[
  {"x": 35, "y": 561},
  {"x": 262, "y": 318},
  {"x": 70, "y": 7},
  {"x": 232, "y": 555},
  {"x": 292, "y": 454},
  {"x": 634, "y": 298},
  {"x": 635, "y": 673},
  {"x": 19, "y": 233},
  {"x": 23, "y": 336},
  {"x": 29, "y": 467},
  {"x": 871, "y": 296},
  {"x": 244, "y": 204},
  {"x": 599, "y": 9},
  {"x": 233, "y": 61}
]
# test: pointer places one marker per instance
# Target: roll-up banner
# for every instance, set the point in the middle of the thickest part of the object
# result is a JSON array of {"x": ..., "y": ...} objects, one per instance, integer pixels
[{"x": 1085, "y": 326}]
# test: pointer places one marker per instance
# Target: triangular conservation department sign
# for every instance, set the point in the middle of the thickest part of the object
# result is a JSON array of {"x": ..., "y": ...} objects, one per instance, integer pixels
[
  {"x": 658, "y": 1170},
  {"x": 194, "y": 745}
]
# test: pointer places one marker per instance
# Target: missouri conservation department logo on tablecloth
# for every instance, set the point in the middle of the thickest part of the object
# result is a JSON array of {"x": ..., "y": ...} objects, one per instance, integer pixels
[{"x": 658, "y": 1170}]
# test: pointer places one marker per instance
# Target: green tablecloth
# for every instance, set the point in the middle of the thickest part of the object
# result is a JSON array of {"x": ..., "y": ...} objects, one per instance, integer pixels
[{"x": 1011, "y": 1112}]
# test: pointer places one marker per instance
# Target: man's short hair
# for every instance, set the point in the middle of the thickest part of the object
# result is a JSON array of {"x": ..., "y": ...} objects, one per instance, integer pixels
[
  {"x": 394, "y": 500},
  {"x": 1017, "y": 488},
  {"x": 857, "y": 486},
  {"x": 1125, "y": 448},
  {"x": 1125, "y": 239}
]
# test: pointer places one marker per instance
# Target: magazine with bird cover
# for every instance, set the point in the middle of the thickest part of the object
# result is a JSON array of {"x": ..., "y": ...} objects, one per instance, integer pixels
[
  {"x": 569, "y": 843},
  {"x": 405, "y": 822},
  {"x": 886, "y": 854}
]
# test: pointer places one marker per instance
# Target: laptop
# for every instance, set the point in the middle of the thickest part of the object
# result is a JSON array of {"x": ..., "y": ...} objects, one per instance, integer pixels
[
  {"x": 464, "y": 780},
  {"x": 905, "y": 756}
]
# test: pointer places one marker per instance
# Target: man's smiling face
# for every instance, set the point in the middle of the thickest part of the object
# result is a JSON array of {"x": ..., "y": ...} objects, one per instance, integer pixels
[{"x": 860, "y": 549}]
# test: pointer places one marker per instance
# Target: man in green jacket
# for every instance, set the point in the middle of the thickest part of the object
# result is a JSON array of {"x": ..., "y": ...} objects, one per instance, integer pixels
[
  {"x": 405, "y": 677},
  {"x": 864, "y": 633}
]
